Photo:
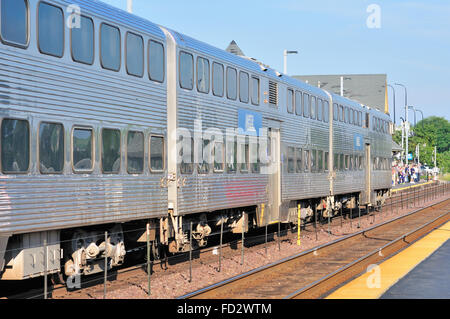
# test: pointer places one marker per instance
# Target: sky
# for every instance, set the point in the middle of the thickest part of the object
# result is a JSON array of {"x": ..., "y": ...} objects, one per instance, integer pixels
[{"x": 407, "y": 40}]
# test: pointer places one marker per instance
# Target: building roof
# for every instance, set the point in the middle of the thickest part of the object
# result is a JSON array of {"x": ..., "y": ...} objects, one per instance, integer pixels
[{"x": 368, "y": 89}]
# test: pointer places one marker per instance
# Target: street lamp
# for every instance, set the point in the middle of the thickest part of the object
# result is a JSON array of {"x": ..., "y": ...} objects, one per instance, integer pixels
[
  {"x": 406, "y": 116},
  {"x": 403, "y": 136},
  {"x": 130, "y": 6},
  {"x": 393, "y": 89},
  {"x": 286, "y": 53},
  {"x": 414, "y": 109}
]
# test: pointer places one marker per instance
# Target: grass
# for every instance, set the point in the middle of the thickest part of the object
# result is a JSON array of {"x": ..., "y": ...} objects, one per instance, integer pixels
[{"x": 445, "y": 177}]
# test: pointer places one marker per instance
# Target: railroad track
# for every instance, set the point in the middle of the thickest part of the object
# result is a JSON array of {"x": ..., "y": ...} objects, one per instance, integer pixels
[
  {"x": 312, "y": 274},
  {"x": 126, "y": 275}
]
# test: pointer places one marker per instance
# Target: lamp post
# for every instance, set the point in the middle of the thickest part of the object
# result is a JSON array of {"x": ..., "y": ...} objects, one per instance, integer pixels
[
  {"x": 342, "y": 84},
  {"x": 286, "y": 53},
  {"x": 130, "y": 6},
  {"x": 422, "y": 115},
  {"x": 414, "y": 109},
  {"x": 406, "y": 120},
  {"x": 393, "y": 89},
  {"x": 403, "y": 137}
]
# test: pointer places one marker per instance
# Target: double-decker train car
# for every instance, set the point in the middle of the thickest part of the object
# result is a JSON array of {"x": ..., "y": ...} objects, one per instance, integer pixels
[{"x": 111, "y": 124}]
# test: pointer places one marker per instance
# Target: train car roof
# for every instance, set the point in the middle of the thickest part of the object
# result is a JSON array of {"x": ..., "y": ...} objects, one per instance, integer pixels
[
  {"x": 187, "y": 42},
  {"x": 115, "y": 15}
]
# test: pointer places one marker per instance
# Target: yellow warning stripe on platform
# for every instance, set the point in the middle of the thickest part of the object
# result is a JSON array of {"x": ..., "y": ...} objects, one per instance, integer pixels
[
  {"x": 418, "y": 185},
  {"x": 377, "y": 281}
]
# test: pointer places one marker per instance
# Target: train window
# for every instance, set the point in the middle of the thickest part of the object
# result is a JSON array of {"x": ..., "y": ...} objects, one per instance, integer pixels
[
  {"x": 82, "y": 41},
  {"x": 231, "y": 151},
  {"x": 82, "y": 149},
  {"x": 217, "y": 79},
  {"x": 336, "y": 162},
  {"x": 326, "y": 111},
  {"x": 350, "y": 119},
  {"x": 290, "y": 101},
  {"x": 243, "y": 87},
  {"x": 51, "y": 148},
  {"x": 356, "y": 167},
  {"x": 319, "y": 161},
  {"x": 298, "y": 103},
  {"x": 335, "y": 112},
  {"x": 135, "y": 152},
  {"x": 347, "y": 115},
  {"x": 298, "y": 160},
  {"x": 291, "y": 160},
  {"x": 361, "y": 163},
  {"x": 341, "y": 162},
  {"x": 219, "y": 156},
  {"x": 313, "y": 161},
  {"x": 255, "y": 90},
  {"x": 50, "y": 30},
  {"x": 306, "y": 160},
  {"x": 110, "y": 151},
  {"x": 110, "y": 47},
  {"x": 351, "y": 163},
  {"x": 187, "y": 156},
  {"x": 341, "y": 113},
  {"x": 14, "y": 22},
  {"x": 305, "y": 104},
  {"x": 203, "y": 147},
  {"x": 358, "y": 115},
  {"x": 156, "y": 153},
  {"x": 231, "y": 83},
  {"x": 156, "y": 61},
  {"x": 326, "y": 159},
  {"x": 186, "y": 70},
  {"x": 313, "y": 106},
  {"x": 15, "y": 146},
  {"x": 255, "y": 162},
  {"x": 355, "y": 120},
  {"x": 202, "y": 75},
  {"x": 347, "y": 162},
  {"x": 244, "y": 154},
  {"x": 135, "y": 54},
  {"x": 319, "y": 109}
]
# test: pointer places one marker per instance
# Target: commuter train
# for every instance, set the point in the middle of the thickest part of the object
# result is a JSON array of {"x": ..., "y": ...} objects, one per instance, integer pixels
[{"x": 112, "y": 124}]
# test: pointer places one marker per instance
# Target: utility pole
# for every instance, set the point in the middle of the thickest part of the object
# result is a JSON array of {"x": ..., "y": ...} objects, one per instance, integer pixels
[
  {"x": 406, "y": 120},
  {"x": 285, "y": 54},
  {"x": 130, "y": 6}
]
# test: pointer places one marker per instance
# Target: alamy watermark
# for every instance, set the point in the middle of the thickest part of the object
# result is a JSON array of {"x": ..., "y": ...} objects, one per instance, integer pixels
[{"x": 374, "y": 19}]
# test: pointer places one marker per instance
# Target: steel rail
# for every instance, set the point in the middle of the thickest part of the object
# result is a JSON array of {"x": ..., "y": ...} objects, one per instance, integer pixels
[{"x": 208, "y": 289}]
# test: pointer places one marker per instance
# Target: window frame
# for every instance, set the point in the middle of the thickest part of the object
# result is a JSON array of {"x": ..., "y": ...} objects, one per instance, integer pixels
[
  {"x": 248, "y": 87},
  {"x": 223, "y": 79},
  {"x": 38, "y": 148},
  {"x": 298, "y": 108},
  {"x": 209, "y": 75},
  {"x": 148, "y": 60},
  {"x": 93, "y": 43},
  {"x": 29, "y": 147},
  {"x": 291, "y": 99},
  {"x": 15, "y": 44},
  {"x": 102, "y": 153},
  {"x": 143, "y": 152},
  {"x": 83, "y": 171},
  {"x": 156, "y": 171},
  {"x": 213, "y": 149},
  {"x": 100, "y": 46},
  {"x": 63, "y": 30},
  {"x": 236, "y": 83},
  {"x": 179, "y": 70},
  {"x": 253, "y": 77},
  {"x": 126, "y": 54},
  {"x": 306, "y": 108}
]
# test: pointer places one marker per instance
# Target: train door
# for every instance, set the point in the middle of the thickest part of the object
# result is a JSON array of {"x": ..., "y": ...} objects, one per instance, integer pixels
[
  {"x": 368, "y": 174},
  {"x": 274, "y": 187}
]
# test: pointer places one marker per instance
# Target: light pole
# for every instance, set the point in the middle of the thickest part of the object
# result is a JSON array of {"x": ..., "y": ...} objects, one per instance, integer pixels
[
  {"x": 130, "y": 6},
  {"x": 422, "y": 115},
  {"x": 342, "y": 84},
  {"x": 403, "y": 137},
  {"x": 406, "y": 120},
  {"x": 393, "y": 89},
  {"x": 414, "y": 109},
  {"x": 286, "y": 53}
]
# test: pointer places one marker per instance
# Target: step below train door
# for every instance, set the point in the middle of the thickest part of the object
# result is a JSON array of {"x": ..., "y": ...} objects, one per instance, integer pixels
[{"x": 274, "y": 174}]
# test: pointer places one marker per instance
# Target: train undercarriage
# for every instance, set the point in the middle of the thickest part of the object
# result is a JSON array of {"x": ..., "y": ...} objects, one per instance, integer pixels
[{"x": 82, "y": 251}]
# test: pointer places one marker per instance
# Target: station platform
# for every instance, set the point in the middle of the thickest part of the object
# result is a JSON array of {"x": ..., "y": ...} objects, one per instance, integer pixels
[
  {"x": 419, "y": 271},
  {"x": 399, "y": 187}
]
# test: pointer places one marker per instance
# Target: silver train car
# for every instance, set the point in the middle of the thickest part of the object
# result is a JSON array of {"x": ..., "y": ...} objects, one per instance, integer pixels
[{"x": 112, "y": 124}]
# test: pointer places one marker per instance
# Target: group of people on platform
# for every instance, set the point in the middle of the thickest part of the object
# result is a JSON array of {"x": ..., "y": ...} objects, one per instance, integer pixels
[{"x": 402, "y": 174}]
